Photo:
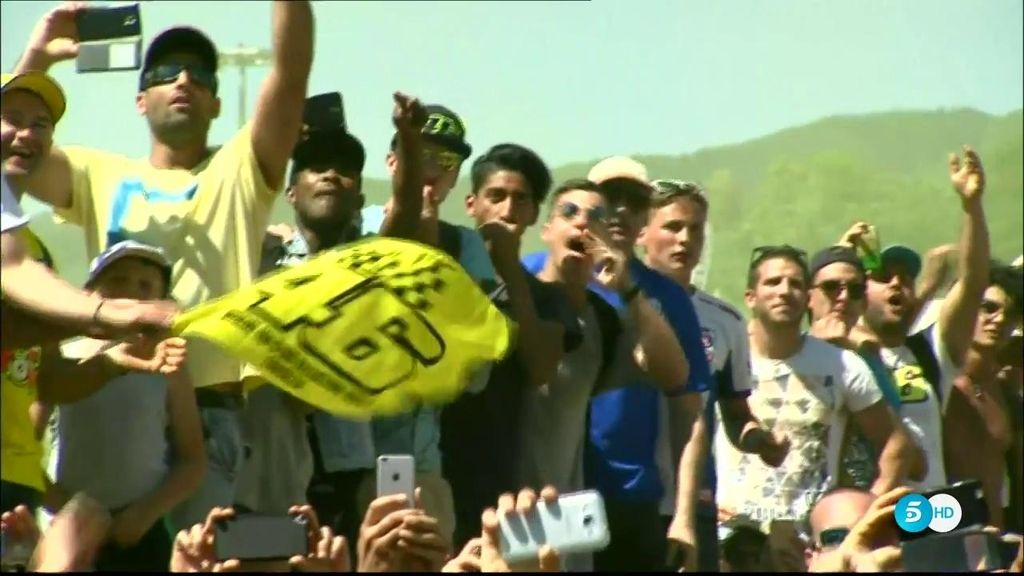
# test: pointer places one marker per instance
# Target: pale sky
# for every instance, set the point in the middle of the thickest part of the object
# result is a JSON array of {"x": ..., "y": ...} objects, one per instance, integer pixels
[{"x": 582, "y": 80}]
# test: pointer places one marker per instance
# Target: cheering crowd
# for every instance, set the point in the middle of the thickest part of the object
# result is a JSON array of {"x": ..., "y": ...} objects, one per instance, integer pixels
[{"x": 776, "y": 435}]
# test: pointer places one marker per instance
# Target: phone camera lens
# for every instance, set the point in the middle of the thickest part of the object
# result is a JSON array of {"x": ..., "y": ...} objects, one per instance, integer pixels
[
  {"x": 395, "y": 477},
  {"x": 588, "y": 520}
]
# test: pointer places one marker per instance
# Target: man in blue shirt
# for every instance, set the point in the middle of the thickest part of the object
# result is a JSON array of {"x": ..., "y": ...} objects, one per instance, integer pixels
[{"x": 624, "y": 421}]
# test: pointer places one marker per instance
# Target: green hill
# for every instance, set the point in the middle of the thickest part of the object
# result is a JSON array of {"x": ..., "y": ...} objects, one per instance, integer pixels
[{"x": 802, "y": 186}]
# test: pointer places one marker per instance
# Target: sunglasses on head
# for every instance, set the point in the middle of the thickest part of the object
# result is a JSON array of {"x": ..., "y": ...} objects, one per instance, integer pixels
[
  {"x": 832, "y": 288},
  {"x": 169, "y": 73},
  {"x": 569, "y": 211},
  {"x": 444, "y": 160},
  {"x": 761, "y": 253}
]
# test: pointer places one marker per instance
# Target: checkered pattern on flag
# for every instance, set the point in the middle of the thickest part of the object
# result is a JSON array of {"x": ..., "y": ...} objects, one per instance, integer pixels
[{"x": 369, "y": 329}]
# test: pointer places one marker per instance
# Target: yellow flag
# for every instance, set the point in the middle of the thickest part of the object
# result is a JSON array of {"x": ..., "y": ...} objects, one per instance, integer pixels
[{"x": 369, "y": 329}]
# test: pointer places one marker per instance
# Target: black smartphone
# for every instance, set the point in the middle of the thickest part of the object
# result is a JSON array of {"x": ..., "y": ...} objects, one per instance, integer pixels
[
  {"x": 108, "y": 23},
  {"x": 110, "y": 38},
  {"x": 261, "y": 537},
  {"x": 971, "y": 498},
  {"x": 966, "y": 550},
  {"x": 324, "y": 112}
]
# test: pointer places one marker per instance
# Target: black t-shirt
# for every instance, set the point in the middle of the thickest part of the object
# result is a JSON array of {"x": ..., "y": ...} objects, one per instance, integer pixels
[{"x": 480, "y": 431}]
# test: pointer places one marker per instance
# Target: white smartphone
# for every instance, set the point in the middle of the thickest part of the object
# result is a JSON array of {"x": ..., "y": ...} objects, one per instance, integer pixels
[
  {"x": 396, "y": 474},
  {"x": 577, "y": 523}
]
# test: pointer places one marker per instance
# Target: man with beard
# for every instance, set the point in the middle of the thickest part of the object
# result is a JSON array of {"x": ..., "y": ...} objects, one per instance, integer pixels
[
  {"x": 977, "y": 434},
  {"x": 673, "y": 240},
  {"x": 926, "y": 364},
  {"x": 207, "y": 208},
  {"x": 805, "y": 390}
]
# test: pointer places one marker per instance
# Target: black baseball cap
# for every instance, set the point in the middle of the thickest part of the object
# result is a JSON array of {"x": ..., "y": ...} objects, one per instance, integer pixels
[
  {"x": 333, "y": 145},
  {"x": 444, "y": 128},
  {"x": 833, "y": 255},
  {"x": 326, "y": 138},
  {"x": 180, "y": 39}
]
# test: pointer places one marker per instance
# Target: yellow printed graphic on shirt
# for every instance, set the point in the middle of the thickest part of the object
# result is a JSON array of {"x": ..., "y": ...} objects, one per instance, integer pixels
[
  {"x": 368, "y": 329},
  {"x": 911, "y": 384}
]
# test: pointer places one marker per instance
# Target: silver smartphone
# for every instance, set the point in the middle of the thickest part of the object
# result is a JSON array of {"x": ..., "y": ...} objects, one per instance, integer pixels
[
  {"x": 396, "y": 474},
  {"x": 577, "y": 523}
]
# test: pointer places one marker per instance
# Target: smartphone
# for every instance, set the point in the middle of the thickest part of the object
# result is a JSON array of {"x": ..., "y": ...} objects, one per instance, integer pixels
[
  {"x": 577, "y": 523},
  {"x": 261, "y": 537},
  {"x": 110, "y": 38},
  {"x": 396, "y": 474},
  {"x": 971, "y": 497},
  {"x": 324, "y": 112},
  {"x": 966, "y": 550}
]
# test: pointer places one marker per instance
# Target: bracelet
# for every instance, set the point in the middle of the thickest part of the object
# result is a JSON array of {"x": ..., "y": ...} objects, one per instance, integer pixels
[
  {"x": 96, "y": 312},
  {"x": 631, "y": 294}
]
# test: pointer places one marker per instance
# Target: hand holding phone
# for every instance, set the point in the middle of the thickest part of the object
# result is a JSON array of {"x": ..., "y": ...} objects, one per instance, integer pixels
[
  {"x": 574, "y": 523},
  {"x": 970, "y": 497}
]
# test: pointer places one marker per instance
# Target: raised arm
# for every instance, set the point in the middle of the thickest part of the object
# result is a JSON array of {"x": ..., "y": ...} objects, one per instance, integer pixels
[
  {"x": 54, "y": 39},
  {"x": 277, "y": 121},
  {"x": 897, "y": 457},
  {"x": 960, "y": 308},
  {"x": 402, "y": 220}
]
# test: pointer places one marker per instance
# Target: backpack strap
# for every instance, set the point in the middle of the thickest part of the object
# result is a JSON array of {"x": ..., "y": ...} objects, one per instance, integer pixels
[
  {"x": 272, "y": 252},
  {"x": 450, "y": 238},
  {"x": 611, "y": 329},
  {"x": 922, "y": 351}
]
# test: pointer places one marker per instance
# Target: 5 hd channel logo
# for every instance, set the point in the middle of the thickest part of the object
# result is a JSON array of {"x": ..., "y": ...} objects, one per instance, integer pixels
[{"x": 941, "y": 513}]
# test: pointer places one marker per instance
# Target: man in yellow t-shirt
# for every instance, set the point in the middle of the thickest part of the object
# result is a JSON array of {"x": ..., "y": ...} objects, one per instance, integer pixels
[{"x": 207, "y": 208}]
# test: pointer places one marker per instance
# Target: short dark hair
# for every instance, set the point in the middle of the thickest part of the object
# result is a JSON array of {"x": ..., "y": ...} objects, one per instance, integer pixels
[
  {"x": 668, "y": 191},
  {"x": 1011, "y": 280},
  {"x": 785, "y": 252},
  {"x": 575, "y": 184},
  {"x": 514, "y": 158}
]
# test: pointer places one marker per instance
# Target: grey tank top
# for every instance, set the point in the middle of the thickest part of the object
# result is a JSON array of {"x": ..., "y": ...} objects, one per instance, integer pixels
[{"x": 113, "y": 445}]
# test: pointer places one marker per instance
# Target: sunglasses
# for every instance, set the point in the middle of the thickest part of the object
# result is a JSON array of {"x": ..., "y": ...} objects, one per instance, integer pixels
[
  {"x": 990, "y": 308},
  {"x": 444, "y": 160},
  {"x": 832, "y": 288},
  {"x": 761, "y": 253},
  {"x": 169, "y": 73},
  {"x": 832, "y": 537},
  {"x": 569, "y": 211}
]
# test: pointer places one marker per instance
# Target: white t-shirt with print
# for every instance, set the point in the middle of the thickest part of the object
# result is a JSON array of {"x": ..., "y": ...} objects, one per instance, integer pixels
[
  {"x": 809, "y": 398},
  {"x": 920, "y": 410},
  {"x": 724, "y": 336},
  {"x": 11, "y": 216}
]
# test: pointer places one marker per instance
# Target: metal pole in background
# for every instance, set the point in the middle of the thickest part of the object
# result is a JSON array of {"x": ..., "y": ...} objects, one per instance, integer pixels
[{"x": 243, "y": 58}]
